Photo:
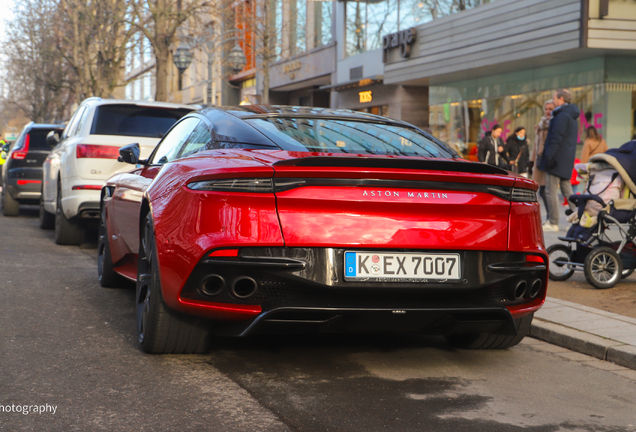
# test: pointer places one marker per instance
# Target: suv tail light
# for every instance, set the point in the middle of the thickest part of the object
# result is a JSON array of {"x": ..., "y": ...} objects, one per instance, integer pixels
[
  {"x": 97, "y": 151},
  {"x": 22, "y": 153}
]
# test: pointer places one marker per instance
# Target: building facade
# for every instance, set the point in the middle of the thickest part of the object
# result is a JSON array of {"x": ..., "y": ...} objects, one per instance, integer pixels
[{"x": 456, "y": 67}]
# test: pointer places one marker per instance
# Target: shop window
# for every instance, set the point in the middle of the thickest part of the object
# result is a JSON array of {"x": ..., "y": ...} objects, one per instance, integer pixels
[{"x": 463, "y": 123}]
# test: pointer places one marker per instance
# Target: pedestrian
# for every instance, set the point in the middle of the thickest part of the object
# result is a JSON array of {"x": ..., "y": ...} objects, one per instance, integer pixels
[
  {"x": 517, "y": 153},
  {"x": 491, "y": 148},
  {"x": 593, "y": 144},
  {"x": 541, "y": 132},
  {"x": 558, "y": 154}
]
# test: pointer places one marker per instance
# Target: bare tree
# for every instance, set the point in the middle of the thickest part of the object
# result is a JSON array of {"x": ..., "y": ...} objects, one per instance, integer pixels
[
  {"x": 93, "y": 38},
  {"x": 159, "y": 21},
  {"x": 36, "y": 79}
]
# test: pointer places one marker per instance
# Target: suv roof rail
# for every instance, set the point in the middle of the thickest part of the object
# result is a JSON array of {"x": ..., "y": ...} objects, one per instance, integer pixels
[{"x": 92, "y": 98}]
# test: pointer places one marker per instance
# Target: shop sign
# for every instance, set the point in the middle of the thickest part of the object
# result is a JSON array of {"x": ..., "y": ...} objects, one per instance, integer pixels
[
  {"x": 291, "y": 68},
  {"x": 403, "y": 39},
  {"x": 366, "y": 96}
]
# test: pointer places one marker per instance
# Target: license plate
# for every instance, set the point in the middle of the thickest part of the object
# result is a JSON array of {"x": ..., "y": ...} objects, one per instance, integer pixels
[{"x": 402, "y": 267}]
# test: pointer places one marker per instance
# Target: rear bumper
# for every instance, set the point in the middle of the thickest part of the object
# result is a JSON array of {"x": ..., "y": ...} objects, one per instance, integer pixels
[
  {"x": 304, "y": 290},
  {"x": 24, "y": 184}
]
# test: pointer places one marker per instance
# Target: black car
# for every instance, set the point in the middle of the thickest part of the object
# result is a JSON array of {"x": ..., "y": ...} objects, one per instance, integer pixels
[{"x": 22, "y": 172}]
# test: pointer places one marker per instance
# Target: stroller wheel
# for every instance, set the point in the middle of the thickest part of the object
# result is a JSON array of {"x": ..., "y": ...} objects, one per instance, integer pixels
[
  {"x": 603, "y": 267},
  {"x": 627, "y": 272},
  {"x": 557, "y": 255}
]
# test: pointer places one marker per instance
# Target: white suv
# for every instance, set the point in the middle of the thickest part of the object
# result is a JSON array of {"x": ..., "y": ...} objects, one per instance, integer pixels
[{"x": 86, "y": 155}]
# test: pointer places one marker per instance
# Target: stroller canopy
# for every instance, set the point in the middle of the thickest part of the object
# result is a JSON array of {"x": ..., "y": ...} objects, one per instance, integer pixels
[{"x": 623, "y": 160}]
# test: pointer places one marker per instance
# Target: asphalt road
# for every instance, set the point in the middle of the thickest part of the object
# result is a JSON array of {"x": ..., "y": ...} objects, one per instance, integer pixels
[{"x": 68, "y": 343}]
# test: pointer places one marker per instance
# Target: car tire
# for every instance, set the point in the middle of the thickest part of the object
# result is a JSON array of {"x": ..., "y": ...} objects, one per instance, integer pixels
[
  {"x": 556, "y": 271},
  {"x": 10, "y": 207},
  {"x": 603, "y": 267},
  {"x": 627, "y": 272},
  {"x": 160, "y": 329},
  {"x": 47, "y": 220},
  {"x": 108, "y": 278},
  {"x": 492, "y": 341},
  {"x": 67, "y": 232}
]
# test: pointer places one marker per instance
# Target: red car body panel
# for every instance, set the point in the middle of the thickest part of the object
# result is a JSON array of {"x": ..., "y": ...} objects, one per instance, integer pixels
[{"x": 189, "y": 224}]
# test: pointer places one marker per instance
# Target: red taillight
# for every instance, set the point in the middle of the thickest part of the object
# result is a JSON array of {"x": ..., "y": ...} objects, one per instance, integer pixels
[
  {"x": 87, "y": 187},
  {"x": 24, "y": 182},
  {"x": 225, "y": 253},
  {"x": 534, "y": 258},
  {"x": 97, "y": 151},
  {"x": 22, "y": 153}
]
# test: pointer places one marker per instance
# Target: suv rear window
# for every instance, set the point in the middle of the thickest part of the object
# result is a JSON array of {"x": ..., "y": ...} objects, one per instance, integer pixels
[
  {"x": 37, "y": 139},
  {"x": 133, "y": 120}
]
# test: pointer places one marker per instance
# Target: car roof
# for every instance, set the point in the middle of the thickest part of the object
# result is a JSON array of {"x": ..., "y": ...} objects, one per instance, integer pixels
[
  {"x": 256, "y": 111},
  {"x": 96, "y": 101},
  {"x": 45, "y": 126}
]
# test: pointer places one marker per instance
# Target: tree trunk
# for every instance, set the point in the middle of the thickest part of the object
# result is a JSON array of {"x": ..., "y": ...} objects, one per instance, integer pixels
[{"x": 163, "y": 66}]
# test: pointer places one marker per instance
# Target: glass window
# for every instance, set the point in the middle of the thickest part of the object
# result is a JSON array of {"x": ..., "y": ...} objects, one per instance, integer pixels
[
  {"x": 367, "y": 21},
  {"x": 72, "y": 126},
  {"x": 298, "y": 32},
  {"x": 82, "y": 121},
  {"x": 168, "y": 148},
  {"x": 348, "y": 136},
  {"x": 134, "y": 120},
  {"x": 323, "y": 13},
  {"x": 198, "y": 140}
]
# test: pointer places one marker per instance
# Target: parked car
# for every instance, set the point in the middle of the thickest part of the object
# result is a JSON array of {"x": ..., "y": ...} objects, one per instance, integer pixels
[
  {"x": 86, "y": 155},
  {"x": 22, "y": 170},
  {"x": 279, "y": 219}
]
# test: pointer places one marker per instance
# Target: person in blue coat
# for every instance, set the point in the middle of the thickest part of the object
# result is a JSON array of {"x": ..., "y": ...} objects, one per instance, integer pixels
[{"x": 558, "y": 154}]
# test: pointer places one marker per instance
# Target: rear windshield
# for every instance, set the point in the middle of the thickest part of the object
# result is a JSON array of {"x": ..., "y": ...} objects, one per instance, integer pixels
[
  {"x": 133, "y": 120},
  {"x": 346, "y": 136},
  {"x": 37, "y": 139}
]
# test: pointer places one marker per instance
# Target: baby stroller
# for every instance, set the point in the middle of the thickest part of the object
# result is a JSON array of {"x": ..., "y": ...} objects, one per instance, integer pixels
[{"x": 608, "y": 204}]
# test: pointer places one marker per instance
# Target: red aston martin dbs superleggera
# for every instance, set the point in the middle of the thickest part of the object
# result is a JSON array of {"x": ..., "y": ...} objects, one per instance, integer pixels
[{"x": 290, "y": 219}]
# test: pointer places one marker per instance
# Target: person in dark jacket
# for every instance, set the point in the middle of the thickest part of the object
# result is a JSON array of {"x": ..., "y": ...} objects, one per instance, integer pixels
[
  {"x": 517, "y": 153},
  {"x": 491, "y": 148},
  {"x": 558, "y": 154}
]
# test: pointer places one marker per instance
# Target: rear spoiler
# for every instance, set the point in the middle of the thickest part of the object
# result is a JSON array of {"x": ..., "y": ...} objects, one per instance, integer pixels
[{"x": 394, "y": 163}]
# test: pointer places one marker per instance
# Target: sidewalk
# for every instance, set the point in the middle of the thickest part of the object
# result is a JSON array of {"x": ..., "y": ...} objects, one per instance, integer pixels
[
  {"x": 598, "y": 333},
  {"x": 604, "y": 335}
]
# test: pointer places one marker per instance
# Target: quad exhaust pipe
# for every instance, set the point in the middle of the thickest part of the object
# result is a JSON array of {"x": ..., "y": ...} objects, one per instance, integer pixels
[
  {"x": 521, "y": 290},
  {"x": 535, "y": 289},
  {"x": 242, "y": 287},
  {"x": 212, "y": 285}
]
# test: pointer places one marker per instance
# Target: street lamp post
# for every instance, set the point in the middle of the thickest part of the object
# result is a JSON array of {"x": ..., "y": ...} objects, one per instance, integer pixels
[{"x": 182, "y": 59}]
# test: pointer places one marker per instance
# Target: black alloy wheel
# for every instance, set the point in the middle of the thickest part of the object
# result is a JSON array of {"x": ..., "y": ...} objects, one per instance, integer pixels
[{"x": 160, "y": 329}]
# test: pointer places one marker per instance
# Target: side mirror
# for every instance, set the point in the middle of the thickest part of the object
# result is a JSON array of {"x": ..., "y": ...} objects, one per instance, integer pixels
[
  {"x": 129, "y": 154},
  {"x": 53, "y": 138}
]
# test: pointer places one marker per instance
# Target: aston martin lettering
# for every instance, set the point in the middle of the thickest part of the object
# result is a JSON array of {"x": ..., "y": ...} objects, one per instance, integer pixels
[{"x": 386, "y": 193}]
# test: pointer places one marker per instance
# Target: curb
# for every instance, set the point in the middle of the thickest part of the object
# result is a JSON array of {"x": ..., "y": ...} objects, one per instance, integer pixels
[{"x": 584, "y": 343}]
